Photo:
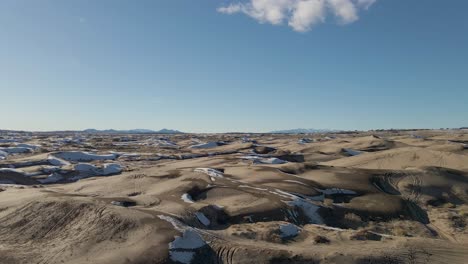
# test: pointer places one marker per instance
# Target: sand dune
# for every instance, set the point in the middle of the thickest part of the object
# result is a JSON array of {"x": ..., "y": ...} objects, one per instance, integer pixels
[
  {"x": 403, "y": 158},
  {"x": 387, "y": 197}
]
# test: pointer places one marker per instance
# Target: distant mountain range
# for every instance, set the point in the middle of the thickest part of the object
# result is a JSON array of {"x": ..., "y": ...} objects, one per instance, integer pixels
[
  {"x": 133, "y": 131},
  {"x": 302, "y": 131}
]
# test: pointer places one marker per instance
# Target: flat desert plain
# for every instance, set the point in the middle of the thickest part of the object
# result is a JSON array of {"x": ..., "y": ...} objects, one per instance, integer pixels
[{"x": 361, "y": 197}]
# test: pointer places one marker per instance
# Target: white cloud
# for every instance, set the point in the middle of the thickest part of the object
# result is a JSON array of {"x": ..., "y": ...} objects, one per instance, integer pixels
[
  {"x": 230, "y": 9},
  {"x": 271, "y": 11},
  {"x": 301, "y": 15},
  {"x": 365, "y": 3},
  {"x": 344, "y": 10},
  {"x": 306, "y": 14}
]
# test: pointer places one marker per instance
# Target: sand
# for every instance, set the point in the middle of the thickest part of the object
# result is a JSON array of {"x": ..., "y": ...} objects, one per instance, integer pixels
[{"x": 367, "y": 197}]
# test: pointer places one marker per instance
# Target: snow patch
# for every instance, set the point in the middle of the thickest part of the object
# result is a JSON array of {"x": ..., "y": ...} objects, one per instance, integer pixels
[
  {"x": 181, "y": 256},
  {"x": 336, "y": 191},
  {"x": 288, "y": 230},
  {"x": 30, "y": 146},
  {"x": 3, "y": 155},
  {"x": 87, "y": 170},
  {"x": 210, "y": 172},
  {"x": 352, "y": 152},
  {"x": 57, "y": 162},
  {"x": 125, "y": 155},
  {"x": 308, "y": 208},
  {"x": 182, "y": 249},
  {"x": 262, "y": 160},
  {"x": 328, "y": 227},
  {"x": 246, "y": 140},
  {"x": 190, "y": 239},
  {"x": 298, "y": 182},
  {"x": 187, "y": 198},
  {"x": 107, "y": 169},
  {"x": 12, "y": 170},
  {"x": 251, "y": 187},
  {"x": 303, "y": 141},
  {"x": 24, "y": 174},
  {"x": 81, "y": 156},
  {"x": 205, "y": 145},
  {"x": 202, "y": 218},
  {"x": 52, "y": 178},
  {"x": 111, "y": 168},
  {"x": 16, "y": 150},
  {"x": 179, "y": 226},
  {"x": 166, "y": 144},
  {"x": 7, "y": 140}
]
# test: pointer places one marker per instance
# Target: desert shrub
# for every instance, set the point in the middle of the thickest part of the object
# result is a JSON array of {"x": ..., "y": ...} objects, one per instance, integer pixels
[
  {"x": 351, "y": 220},
  {"x": 328, "y": 202},
  {"x": 321, "y": 240},
  {"x": 365, "y": 235},
  {"x": 385, "y": 259},
  {"x": 399, "y": 231}
]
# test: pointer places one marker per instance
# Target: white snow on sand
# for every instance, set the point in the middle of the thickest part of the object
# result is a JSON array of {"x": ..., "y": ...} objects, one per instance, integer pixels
[
  {"x": 205, "y": 145},
  {"x": 74, "y": 140},
  {"x": 11, "y": 170},
  {"x": 190, "y": 239},
  {"x": 246, "y": 140},
  {"x": 107, "y": 169},
  {"x": 165, "y": 144},
  {"x": 16, "y": 150},
  {"x": 210, "y": 172},
  {"x": 298, "y": 182},
  {"x": 3, "y": 155},
  {"x": 52, "y": 178},
  {"x": 81, "y": 156},
  {"x": 352, "y": 152},
  {"x": 86, "y": 168},
  {"x": 7, "y": 140},
  {"x": 303, "y": 141},
  {"x": 111, "y": 168},
  {"x": 182, "y": 256},
  {"x": 30, "y": 146},
  {"x": 329, "y": 227},
  {"x": 179, "y": 226},
  {"x": 251, "y": 187},
  {"x": 57, "y": 162},
  {"x": 187, "y": 198},
  {"x": 288, "y": 230},
  {"x": 262, "y": 160},
  {"x": 308, "y": 208},
  {"x": 202, "y": 218},
  {"x": 217, "y": 207},
  {"x": 182, "y": 249},
  {"x": 125, "y": 154}
]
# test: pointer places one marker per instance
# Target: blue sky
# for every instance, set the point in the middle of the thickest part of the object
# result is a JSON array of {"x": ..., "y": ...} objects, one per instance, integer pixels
[{"x": 185, "y": 65}]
